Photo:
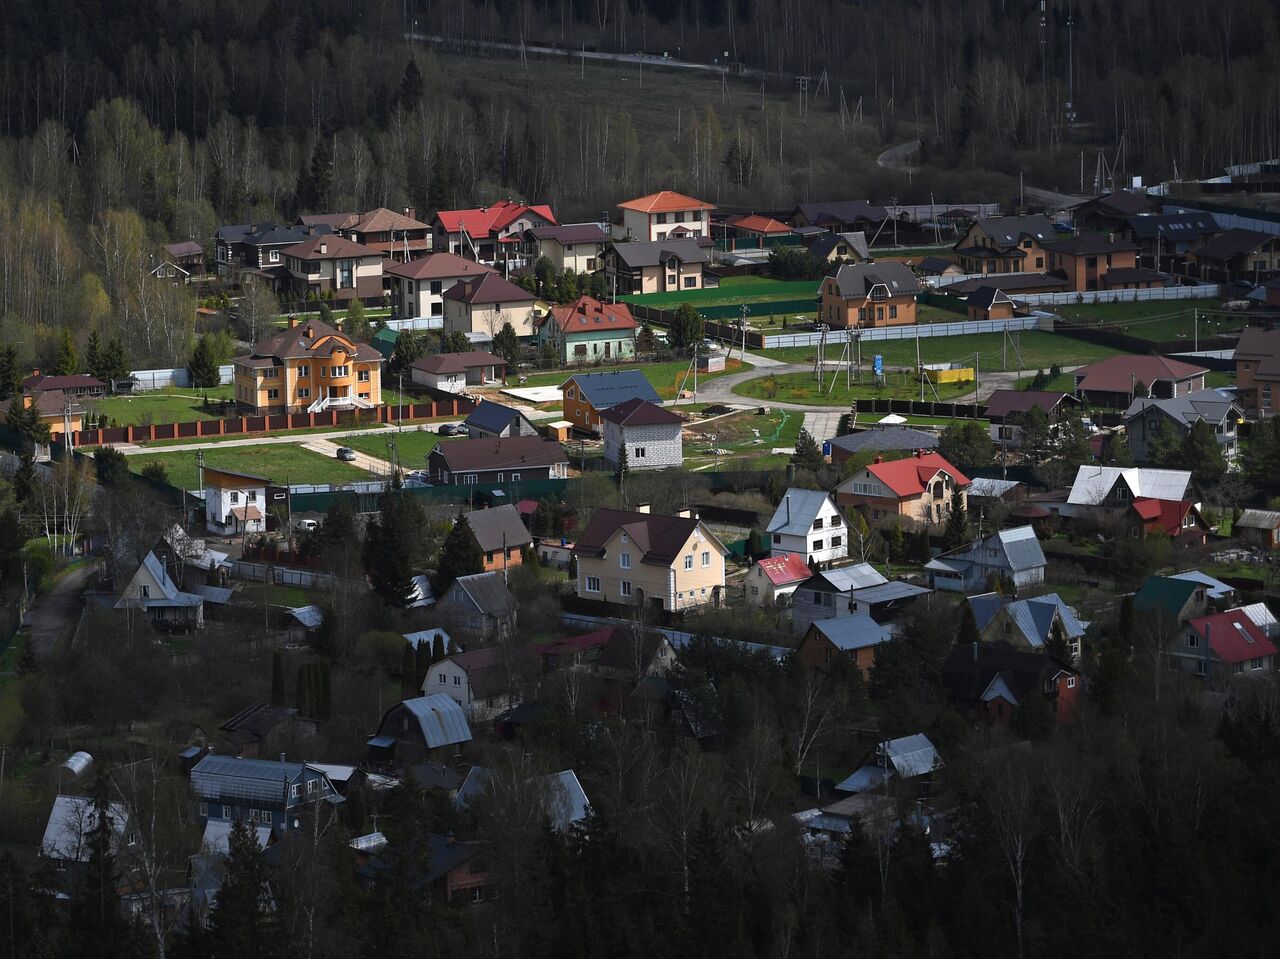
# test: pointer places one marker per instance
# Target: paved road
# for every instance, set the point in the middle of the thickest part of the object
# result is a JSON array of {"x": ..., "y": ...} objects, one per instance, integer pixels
[
  {"x": 899, "y": 157},
  {"x": 55, "y": 614},
  {"x": 373, "y": 464},
  {"x": 133, "y": 449}
]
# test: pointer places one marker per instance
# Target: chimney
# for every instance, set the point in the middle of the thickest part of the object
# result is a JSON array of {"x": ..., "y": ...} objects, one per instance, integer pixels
[
  {"x": 879, "y": 458},
  {"x": 324, "y": 247},
  {"x": 282, "y": 757},
  {"x": 411, "y": 212},
  {"x": 975, "y": 650},
  {"x": 919, "y": 454},
  {"x": 642, "y": 508},
  {"x": 788, "y": 498},
  {"x": 293, "y": 321},
  {"x": 309, "y": 332},
  {"x": 35, "y": 372},
  {"x": 311, "y": 229}
]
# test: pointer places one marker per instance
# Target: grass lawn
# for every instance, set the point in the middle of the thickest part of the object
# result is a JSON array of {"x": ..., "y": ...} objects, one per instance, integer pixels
[
  {"x": 802, "y": 388},
  {"x": 1155, "y": 320},
  {"x": 161, "y": 406},
  {"x": 411, "y": 445},
  {"x": 1066, "y": 383},
  {"x": 214, "y": 440},
  {"x": 665, "y": 377},
  {"x": 738, "y": 435},
  {"x": 730, "y": 293},
  {"x": 1039, "y": 351},
  {"x": 927, "y": 313},
  {"x": 279, "y": 462}
]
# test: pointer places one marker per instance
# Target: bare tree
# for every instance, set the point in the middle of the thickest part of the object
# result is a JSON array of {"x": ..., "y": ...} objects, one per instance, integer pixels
[
  {"x": 754, "y": 772},
  {"x": 814, "y": 717},
  {"x": 257, "y": 307},
  {"x": 1011, "y": 798},
  {"x": 1071, "y": 790},
  {"x": 686, "y": 788}
]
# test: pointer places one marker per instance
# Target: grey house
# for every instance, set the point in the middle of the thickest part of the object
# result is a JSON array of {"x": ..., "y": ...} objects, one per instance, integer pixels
[
  {"x": 1014, "y": 554},
  {"x": 650, "y": 435},
  {"x": 417, "y": 730},
  {"x": 498, "y": 422},
  {"x": 481, "y": 604},
  {"x": 1146, "y": 417},
  {"x": 264, "y": 791},
  {"x": 827, "y": 595}
]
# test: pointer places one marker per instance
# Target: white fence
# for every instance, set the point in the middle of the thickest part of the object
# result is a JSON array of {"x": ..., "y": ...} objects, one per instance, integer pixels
[
  {"x": 923, "y": 330},
  {"x": 1206, "y": 291},
  {"x": 417, "y": 323},
  {"x": 179, "y": 379},
  {"x": 938, "y": 282},
  {"x": 256, "y": 572}
]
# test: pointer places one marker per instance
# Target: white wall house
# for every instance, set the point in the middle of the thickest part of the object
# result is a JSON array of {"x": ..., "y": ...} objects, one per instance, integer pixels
[
  {"x": 234, "y": 503},
  {"x": 808, "y": 522},
  {"x": 663, "y": 214},
  {"x": 650, "y": 435},
  {"x": 418, "y": 287},
  {"x": 477, "y": 680}
]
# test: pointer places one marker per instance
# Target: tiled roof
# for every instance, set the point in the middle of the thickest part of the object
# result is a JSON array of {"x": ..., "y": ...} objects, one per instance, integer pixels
[
  {"x": 492, "y": 454},
  {"x": 441, "y": 363},
  {"x": 72, "y": 381},
  {"x": 1119, "y": 374},
  {"x": 309, "y": 338},
  {"x": 785, "y": 570},
  {"x": 840, "y": 211},
  {"x": 638, "y": 412},
  {"x": 383, "y": 220},
  {"x": 1232, "y": 243},
  {"x": 664, "y": 201},
  {"x": 570, "y": 233},
  {"x": 486, "y": 289},
  {"x": 329, "y": 247},
  {"x": 484, "y": 221},
  {"x": 1008, "y": 231},
  {"x": 755, "y": 223},
  {"x": 1005, "y": 402},
  {"x": 909, "y": 477},
  {"x": 437, "y": 266},
  {"x": 588, "y": 315},
  {"x": 1233, "y": 636},
  {"x": 640, "y": 254}
]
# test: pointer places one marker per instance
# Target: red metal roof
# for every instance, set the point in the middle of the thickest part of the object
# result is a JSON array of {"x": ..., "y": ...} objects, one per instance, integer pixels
[
  {"x": 911, "y": 476},
  {"x": 490, "y": 220},
  {"x": 665, "y": 201},
  {"x": 1167, "y": 514},
  {"x": 1234, "y": 637},
  {"x": 785, "y": 570},
  {"x": 579, "y": 644}
]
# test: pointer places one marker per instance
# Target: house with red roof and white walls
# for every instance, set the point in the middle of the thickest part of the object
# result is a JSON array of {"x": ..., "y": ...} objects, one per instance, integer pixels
[
  {"x": 489, "y": 234},
  {"x": 774, "y": 579},
  {"x": 916, "y": 490}
]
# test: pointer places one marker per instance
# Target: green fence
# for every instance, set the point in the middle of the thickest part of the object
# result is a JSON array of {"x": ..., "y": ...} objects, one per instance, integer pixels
[
  {"x": 943, "y": 301},
  {"x": 773, "y": 308}
]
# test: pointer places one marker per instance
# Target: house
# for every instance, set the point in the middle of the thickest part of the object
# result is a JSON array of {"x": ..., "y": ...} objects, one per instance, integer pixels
[
  {"x": 989, "y": 681},
  {"x": 775, "y": 578},
  {"x": 839, "y": 216},
  {"x": 481, "y": 604},
  {"x": 418, "y": 286},
  {"x": 1163, "y": 601},
  {"x": 1105, "y": 492},
  {"x": 265, "y": 792},
  {"x": 492, "y": 420},
  {"x": 1258, "y": 527},
  {"x": 485, "y": 461},
  {"x": 990, "y": 303},
  {"x": 985, "y": 492},
  {"x": 880, "y": 439},
  {"x": 916, "y": 489},
  {"x": 1222, "y": 645},
  {"x": 187, "y": 254},
  {"x": 454, "y": 372},
  {"x": 1164, "y": 240},
  {"x": 58, "y": 411},
  {"x": 570, "y": 246},
  {"x": 265, "y": 730},
  {"x": 1118, "y": 380},
  {"x": 1005, "y": 244},
  {"x": 333, "y": 267},
  {"x": 1012, "y": 554},
  {"x": 649, "y": 559},
  {"x": 1237, "y": 254},
  {"x": 258, "y": 249},
  {"x": 485, "y": 303},
  {"x": 484, "y": 682},
  {"x": 756, "y": 226},
  {"x": 664, "y": 215},
  {"x": 234, "y": 503},
  {"x": 587, "y": 330},
  {"x": 488, "y": 233},
  {"x": 575, "y": 652},
  {"x": 1007, "y": 409},
  {"x": 660, "y": 266},
  {"x": 430, "y": 727},
  {"x": 67, "y": 839},
  {"x": 1145, "y": 418},
  {"x": 564, "y": 802},
  {"x": 1257, "y": 359},
  {"x": 457, "y": 870},
  {"x": 167, "y": 270},
  {"x": 586, "y": 395},
  {"x": 940, "y": 266},
  {"x": 1263, "y": 618},
  {"x": 838, "y": 247},
  {"x": 1111, "y": 211},
  {"x": 398, "y": 236},
  {"x": 501, "y": 535},
  {"x": 909, "y": 759},
  {"x": 642, "y": 435},
  {"x": 153, "y": 590},
  {"x": 1180, "y": 520},
  {"x": 1217, "y": 591},
  {"x": 835, "y": 592},
  {"x": 869, "y": 295},
  {"x": 1029, "y": 623},
  {"x": 1013, "y": 284},
  {"x": 630, "y": 655},
  {"x": 307, "y": 368},
  {"x": 1100, "y": 261},
  {"x": 855, "y": 635},
  {"x": 71, "y": 385},
  {"x": 808, "y": 522}
]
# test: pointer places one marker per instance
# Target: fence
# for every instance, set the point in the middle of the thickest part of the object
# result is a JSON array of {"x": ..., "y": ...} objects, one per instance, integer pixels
[
  {"x": 236, "y": 425},
  {"x": 177, "y": 378},
  {"x": 775, "y": 308},
  {"x": 1134, "y": 344},
  {"x": 1205, "y": 291},
  {"x": 417, "y": 323},
  {"x": 257, "y": 572},
  {"x": 775, "y": 341}
]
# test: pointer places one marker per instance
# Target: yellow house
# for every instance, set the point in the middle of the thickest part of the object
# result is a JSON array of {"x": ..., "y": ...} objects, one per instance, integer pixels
[
  {"x": 649, "y": 559},
  {"x": 308, "y": 367}
]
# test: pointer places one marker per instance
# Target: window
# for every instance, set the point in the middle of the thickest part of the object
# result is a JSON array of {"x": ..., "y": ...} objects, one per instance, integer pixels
[
  {"x": 777, "y": 538},
  {"x": 443, "y": 679},
  {"x": 817, "y": 544},
  {"x": 662, "y": 218},
  {"x": 271, "y": 373},
  {"x": 624, "y": 560},
  {"x": 457, "y": 680},
  {"x": 817, "y": 597},
  {"x": 837, "y": 542},
  {"x": 1039, "y": 263},
  {"x": 226, "y": 812},
  {"x": 817, "y": 523},
  {"x": 688, "y": 561},
  {"x": 362, "y": 376},
  {"x": 304, "y": 393},
  {"x": 469, "y": 479},
  {"x": 346, "y": 274},
  {"x": 862, "y": 314},
  {"x": 437, "y": 287},
  {"x": 755, "y": 590},
  {"x": 204, "y": 809},
  {"x": 690, "y": 282},
  {"x": 273, "y": 394},
  {"x": 488, "y": 557},
  {"x": 640, "y": 452},
  {"x": 235, "y": 497},
  {"x": 340, "y": 371},
  {"x": 593, "y": 584},
  {"x": 515, "y": 477},
  {"x": 1193, "y": 641},
  {"x": 274, "y": 256},
  {"x": 893, "y": 312},
  {"x": 304, "y": 370},
  {"x": 1071, "y": 682},
  {"x": 706, "y": 559},
  {"x": 671, "y": 279},
  {"x": 626, "y": 587},
  {"x": 295, "y": 790}
]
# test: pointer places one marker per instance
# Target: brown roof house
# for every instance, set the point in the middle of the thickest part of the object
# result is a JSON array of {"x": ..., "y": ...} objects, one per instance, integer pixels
[
  {"x": 483, "y": 304},
  {"x": 334, "y": 266},
  {"x": 398, "y": 236},
  {"x": 264, "y": 731},
  {"x": 75, "y": 384},
  {"x": 418, "y": 286},
  {"x": 642, "y": 435},
  {"x": 309, "y": 366},
  {"x": 1118, "y": 380},
  {"x": 1005, "y": 244},
  {"x": 1258, "y": 371},
  {"x": 484, "y": 461},
  {"x": 869, "y": 294},
  {"x": 1238, "y": 254},
  {"x": 485, "y": 682},
  {"x": 1100, "y": 261},
  {"x": 501, "y": 535},
  {"x": 454, "y": 372},
  {"x": 1007, "y": 409}
]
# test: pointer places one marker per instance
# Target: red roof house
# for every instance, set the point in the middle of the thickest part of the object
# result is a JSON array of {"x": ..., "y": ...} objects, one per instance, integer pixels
[
  {"x": 756, "y": 225},
  {"x": 1117, "y": 380},
  {"x": 1236, "y": 644},
  {"x": 916, "y": 489},
  {"x": 1177, "y": 519},
  {"x": 774, "y": 578},
  {"x": 477, "y": 233}
]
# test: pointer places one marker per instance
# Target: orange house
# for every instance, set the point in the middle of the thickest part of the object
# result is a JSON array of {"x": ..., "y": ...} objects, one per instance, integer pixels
[
  {"x": 1100, "y": 261},
  {"x": 855, "y": 637},
  {"x": 308, "y": 367},
  {"x": 1005, "y": 244},
  {"x": 869, "y": 294}
]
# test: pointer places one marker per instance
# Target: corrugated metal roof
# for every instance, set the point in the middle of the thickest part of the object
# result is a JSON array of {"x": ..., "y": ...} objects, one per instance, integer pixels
[
  {"x": 214, "y": 594},
  {"x": 998, "y": 688},
  {"x": 427, "y": 636},
  {"x": 1261, "y": 617},
  {"x": 911, "y": 755},
  {"x": 1093, "y": 483},
  {"x": 566, "y": 799},
  {"x": 70, "y": 821},
  {"x": 217, "y": 836},
  {"x": 985, "y": 606},
  {"x": 1022, "y": 548},
  {"x": 1217, "y": 588},
  {"x": 856, "y": 631},
  {"x": 982, "y": 486},
  {"x": 863, "y": 779},
  {"x": 1034, "y": 618},
  {"x": 309, "y": 616},
  {"x": 848, "y": 578},
  {"x": 888, "y": 592},
  {"x": 1258, "y": 519},
  {"x": 383, "y": 742},
  {"x": 441, "y": 718},
  {"x": 797, "y": 511}
]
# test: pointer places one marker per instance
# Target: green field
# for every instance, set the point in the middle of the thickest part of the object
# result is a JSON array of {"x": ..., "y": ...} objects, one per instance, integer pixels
[
  {"x": 214, "y": 440},
  {"x": 1156, "y": 320},
  {"x": 803, "y": 388},
  {"x": 732, "y": 291},
  {"x": 665, "y": 377},
  {"x": 412, "y": 446},
  {"x": 161, "y": 406},
  {"x": 279, "y": 462},
  {"x": 737, "y": 435},
  {"x": 1039, "y": 351}
]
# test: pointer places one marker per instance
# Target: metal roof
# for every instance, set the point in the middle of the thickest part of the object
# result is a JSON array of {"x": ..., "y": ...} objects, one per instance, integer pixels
[
  {"x": 998, "y": 688},
  {"x": 498, "y": 527},
  {"x": 214, "y": 594},
  {"x": 863, "y": 779},
  {"x": 888, "y": 592},
  {"x": 487, "y": 591},
  {"x": 309, "y": 616},
  {"x": 1258, "y": 519},
  {"x": 441, "y": 718},
  {"x": 885, "y": 438},
  {"x": 78, "y": 762},
  {"x": 1208, "y": 405},
  {"x": 217, "y": 835},
  {"x": 492, "y": 417},
  {"x": 265, "y": 780},
  {"x": 1217, "y": 588},
  {"x": 855, "y": 631},
  {"x": 982, "y": 486},
  {"x": 845, "y": 579},
  {"x": 1261, "y": 617},
  {"x": 1034, "y": 618},
  {"x": 610, "y": 388},
  {"x": 427, "y": 636},
  {"x": 1022, "y": 548},
  {"x": 567, "y": 801},
  {"x": 911, "y": 755},
  {"x": 797, "y": 511},
  {"x": 70, "y": 821},
  {"x": 985, "y": 606}
]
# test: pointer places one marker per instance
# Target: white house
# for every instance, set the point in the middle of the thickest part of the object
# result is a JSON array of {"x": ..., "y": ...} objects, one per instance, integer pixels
[
  {"x": 418, "y": 287},
  {"x": 775, "y": 578},
  {"x": 454, "y": 372},
  {"x": 153, "y": 589},
  {"x": 1013, "y": 554},
  {"x": 808, "y": 522},
  {"x": 665, "y": 214},
  {"x": 650, "y": 435},
  {"x": 234, "y": 503},
  {"x": 482, "y": 681}
]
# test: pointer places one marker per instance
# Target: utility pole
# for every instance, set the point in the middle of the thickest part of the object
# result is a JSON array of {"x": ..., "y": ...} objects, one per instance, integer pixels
[
  {"x": 1196, "y": 325},
  {"x": 977, "y": 384},
  {"x": 919, "y": 368}
]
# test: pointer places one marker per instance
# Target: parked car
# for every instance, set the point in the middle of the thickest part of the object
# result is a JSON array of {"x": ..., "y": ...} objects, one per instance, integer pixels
[
  {"x": 1062, "y": 228},
  {"x": 308, "y": 525},
  {"x": 346, "y": 454},
  {"x": 451, "y": 429}
]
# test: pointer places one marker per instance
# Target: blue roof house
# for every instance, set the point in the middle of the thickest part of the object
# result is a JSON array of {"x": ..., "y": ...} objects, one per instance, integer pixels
[
  {"x": 587, "y": 394},
  {"x": 1027, "y": 623},
  {"x": 495, "y": 421}
]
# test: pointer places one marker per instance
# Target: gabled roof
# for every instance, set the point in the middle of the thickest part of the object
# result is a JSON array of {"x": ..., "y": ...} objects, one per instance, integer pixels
[
  {"x": 1019, "y": 547},
  {"x": 564, "y": 800},
  {"x": 570, "y": 233},
  {"x": 497, "y": 527},
  {"x": 970, "y": 672},
  {"x": 269, "y": 234},
  {"x": 217, "y": 836},
  {"x": 1233, "y": 636},
  {"x": 149, "y": 571},
  {"x": 840, "y": 211},
  {"x": 885, "y": 438},
  {"x": 1262, "y": 617},
  {"x": 486, "y": 454},
  {"x": 985, "y": 606},
  {"x": 382, "y": 220},
  {"x": 72, "y": 818},
  {"x": 488, "y": 288},
  {"x": 1005, "y": 402},
  {"x": 910, "y": 476},
  {"x": 1034, "y": 618},
  {"x": 582, "y": 643},
  {"x": 256, "y": 721},
  {"x": 985, "y": 297},
  {"x": 853, "y": 631},
  {"x": 486, "y": 220},
  {"x": 844, "y": 579},
  {"x": 586, "y": 314},
  {"x": 1167, "y": 514},
  {"x": 1258, "y": 519},
  {"x": 756, "y": 223},
  {"x": 797, "y": 511},
  {"x": 444, "y": 363},
  {"x": 1164, "y": 593},
  {"x": 492, "y": 417},
  {"x": 1173, "y": 226},
  {"x": 911, "y": 755},
  {"x": 1260, "y": 346},
  {"x": 329, "y": 247},
  {"x": 441, "y": 719},
  {"x": 856, "y": 240},
  {"x": 72, "y": 381},
  {"x": 215, "y": 777},
  {"x": 1090, "y": 244},
  {"x": 184, "y": 248},
  {"x": 1009, "y": 230},
  {"x": 638, "y": 412},
  {"x": 620, "y": 651},
  {"x": 642, "y": 254},
  {"x": 989, "y": 487},
  {"x": 1093, "y": 483},
  {"x": 488, "y": 591},
  {"x": 1208, "y": 405},
  {"x": 309, "y": 338},
  {"x": 784, "y": 570},
  {"x": 1119, "y": 374},
  {"x": 658, "y": 537},
  {"x": 856, "y": 281},
  {"x": 664, "y": 201},
  {"x": 1009, "y": 282},
  {"x": 437, "y": 266},
  {"x": 1125, "y": 202},
  {"x": 603, "y": 390},
  {"x": 1217, "y": 588},
  {"x": 1232, "y": 243}
]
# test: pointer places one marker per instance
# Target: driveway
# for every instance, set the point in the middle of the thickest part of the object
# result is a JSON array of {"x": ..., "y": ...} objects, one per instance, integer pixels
[
  {"x": 54, "y": 616},
  {"x": 375, "y": 465}
]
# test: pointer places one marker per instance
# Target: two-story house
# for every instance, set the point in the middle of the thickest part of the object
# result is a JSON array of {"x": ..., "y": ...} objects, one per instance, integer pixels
[
  {"x": 398, "y": 236},
  {"x": 484, "y": 682},
  {"x": 808, "y": 523},
  {"x": 1222, "y": 645},
  {"x": 1101, "y": 261},
  {"x": 309, "y": 366},
  {"x": 266, "y": 792},
  {"x": 1031, "y": 623},
  {"x": 510, "y": 460},
  {"x": 1167, "y": 602},
  {"x": 916, "y": 490},
  {"x": 1007, "y": 410},
  {"x": 490, "y": 234},
  {"x": 649, "y": 559},
  {"x": 500, "y": 534},
  {"x": 430, "y": 727},
  {"x": 1257, "y": 358},
  {"x": 1111, "y": 211},
  {"x": 869, "y": 294},
  {"x": 588, "y": 331},
  {"x": 1119, "y": 380},
  {"x": 234, "y": 503},
  {"x": 989, "y": 682},
  {"x": 857, "y": 588},
  {"x": 587, "y": 395},
  {"x": 659, "y": 266},
  {"x": 1145, "y": 418},
  {"x": 1005, "y": 244},
  {"x": 1101, "y": 493},
  {"x": 853, "y": 635},
  {"x": 1237, "y": 254},
  {"x": 1011, "y": 554},
  {"x": 485, "y": 303},
  {"x": 336, "y": 267},
  {"x": 1166, "y": 240},
  {"x": 418, "y": 286},
  {"x": 570, "y": 246},
  {"x": 259, "y": 247},
  {"x": 643, "y": 435},
  {"x": 665, "y": 214}
]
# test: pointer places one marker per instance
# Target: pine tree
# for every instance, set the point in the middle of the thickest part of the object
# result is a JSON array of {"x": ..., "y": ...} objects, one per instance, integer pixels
[
  {"x": 407, "y": 350},
  {"x": 421, "y": 664},
  {"x": 202, "y": 367},
  {"x": 1056, "y": 645},
  {"x": 1164, "y": 450},
  {"x": 243, "y": 921},
  {"x": 93, "y": 356},
  {"x": 1035, "y": 437},
  {"x": 956, "y": 533},
  {"x": 459, "y": 556},
  {"x": 100, "y": 925},
  {"x": 1117, "y": 451},
  {"x": 67, "y": 361},
  {"x": 455, "y": 342},
  {"x": 24, "y": 477},
  {"x": 507, "y": 345},
  {"x": 277, "y": 678},
  {"x": 808, "y": 455},
  {"x": 325, "y": 684},
  {"x": 357, "y": 322},
  {"x": 437, "y": 648},
  {"x": 967, "y": 634},
  {"x": 1199, "y": 452},
  {"x": 10, "y": 372},
  {"x": 411, "y": 85},
  {"x": 1127, "y": 620},
  {"x": 389, "y": 547},
  {"x": 314, "y": 180},
  {"x": 620, "y": 468},
  {"x": 686, "y": 328},
  {"x": 116, "y": 361}
]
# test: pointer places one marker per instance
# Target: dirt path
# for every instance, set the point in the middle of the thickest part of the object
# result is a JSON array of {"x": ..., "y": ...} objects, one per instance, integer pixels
[{"x": 55, "y": 614}]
